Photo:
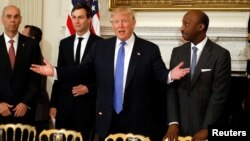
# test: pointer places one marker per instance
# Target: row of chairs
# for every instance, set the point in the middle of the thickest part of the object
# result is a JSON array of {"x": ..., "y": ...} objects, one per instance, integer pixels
[
  {"x": 21, "y": 132},
  {"x": 133, "y": 137}
]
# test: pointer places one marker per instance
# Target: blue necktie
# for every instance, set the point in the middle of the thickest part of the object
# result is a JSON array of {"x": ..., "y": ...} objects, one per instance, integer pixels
[
  {"x": 119, "y": 71},
  {"x": 194, "y": 59}
]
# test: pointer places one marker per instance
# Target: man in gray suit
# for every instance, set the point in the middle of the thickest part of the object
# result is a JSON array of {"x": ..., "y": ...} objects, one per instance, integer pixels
[{"x": 199, "y": 99}]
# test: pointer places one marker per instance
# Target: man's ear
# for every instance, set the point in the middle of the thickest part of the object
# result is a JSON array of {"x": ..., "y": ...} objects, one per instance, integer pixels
[{"x": 201, "y": 26}]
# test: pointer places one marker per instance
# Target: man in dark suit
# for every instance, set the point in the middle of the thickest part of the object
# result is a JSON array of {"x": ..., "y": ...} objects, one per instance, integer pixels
[
  {"x": 18, "y": 85},
  {"x": 73, "y": 102},
  {"x": 199, "y": 99},
  {"x": 143, "y": 66}
]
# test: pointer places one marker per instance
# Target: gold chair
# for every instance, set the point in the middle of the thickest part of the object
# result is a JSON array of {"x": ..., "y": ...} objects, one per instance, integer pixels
[
  {"x": 184, "y": 138},
  {"x": 60, "y": 135},
  {"x": 17, "y": 132},
  {"x": 126, "y": 137}
]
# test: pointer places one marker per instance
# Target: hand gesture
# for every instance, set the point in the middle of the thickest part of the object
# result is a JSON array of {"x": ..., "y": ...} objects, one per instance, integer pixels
[
  {"x": 47, "y": 69},
  {"x": 177, "y": 73}
]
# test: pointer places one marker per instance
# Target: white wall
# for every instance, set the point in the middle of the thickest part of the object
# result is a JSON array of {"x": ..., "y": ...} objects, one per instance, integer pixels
[
  {"x": 227, "y": 28},
  {"x": 3, "y": 3}
]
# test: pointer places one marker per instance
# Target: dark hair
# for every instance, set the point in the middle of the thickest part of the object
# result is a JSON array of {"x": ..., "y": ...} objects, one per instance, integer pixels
[
  {"x": 205, "y": 20},
  {"x": 82, "y": 6},
  {"x": 35, "y": 32}
]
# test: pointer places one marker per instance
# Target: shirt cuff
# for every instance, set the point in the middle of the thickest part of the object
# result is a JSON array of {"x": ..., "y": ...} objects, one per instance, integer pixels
[
  {"x": 174, "y": 122},
  {"x": 55, "y": 74},
  {"x": 169, "y": 78}
]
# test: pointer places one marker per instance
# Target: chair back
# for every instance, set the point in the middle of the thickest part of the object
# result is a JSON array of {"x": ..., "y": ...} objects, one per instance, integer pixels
[
  {"x": 60, "y": 135},
  {"x": 126, "y": 137},
  {"x": 17, "y": 132},
  {"x": 184, "y": 138}
]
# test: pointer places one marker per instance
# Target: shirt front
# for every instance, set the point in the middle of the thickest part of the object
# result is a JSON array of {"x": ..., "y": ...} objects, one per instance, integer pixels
[
  {"x": 200, "y": 47},
  {"x": 128, "y": 51},
  {"x": 7, "y": 39},
  {"x": 83, "y": 44}
]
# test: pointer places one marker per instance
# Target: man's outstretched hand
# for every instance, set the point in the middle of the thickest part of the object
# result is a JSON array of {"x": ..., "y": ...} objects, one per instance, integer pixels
[
  {"x": 178, "y": 72},
  {"x": 47, "y": 69}
]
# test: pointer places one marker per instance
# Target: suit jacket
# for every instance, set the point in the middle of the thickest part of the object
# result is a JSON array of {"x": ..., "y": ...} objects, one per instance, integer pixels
[
  {"x": 20, "y": 84},
  {"x": 62, "y": 97},
  {"x": 200, "y": 102},
  {"x": 145, "y": 66}
]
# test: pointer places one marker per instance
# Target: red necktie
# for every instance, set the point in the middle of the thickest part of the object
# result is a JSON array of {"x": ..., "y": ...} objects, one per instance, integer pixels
[{"x": 12, "y": 53}]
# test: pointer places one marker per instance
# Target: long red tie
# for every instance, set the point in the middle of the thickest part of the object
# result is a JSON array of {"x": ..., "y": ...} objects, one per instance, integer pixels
[{"x": 12, "y": 53}]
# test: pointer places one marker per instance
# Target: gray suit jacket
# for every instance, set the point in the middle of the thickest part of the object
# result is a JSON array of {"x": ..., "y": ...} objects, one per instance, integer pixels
[{"x": 200, "y": 102}]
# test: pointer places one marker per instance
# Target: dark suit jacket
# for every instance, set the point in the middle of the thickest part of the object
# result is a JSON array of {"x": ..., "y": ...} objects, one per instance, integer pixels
[
  {"x": 62, "y": 97},
  {"x": 145, "y": 66},
  {"x": 201, "y": 102},
  {"x": 20, "y": 84}
]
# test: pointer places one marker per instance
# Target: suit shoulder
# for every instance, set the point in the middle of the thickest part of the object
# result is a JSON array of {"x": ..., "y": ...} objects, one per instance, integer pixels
[
  {"x": 28, "y": 41},
  {"x": 104, "y": 42},
  {"x": 66, "y": 39},
  {"x": 96, "y": 37},
  {"x": 144, "y": 42},
  {"x": 181, "y": 47},
  {"x": 218, "y": 48}
]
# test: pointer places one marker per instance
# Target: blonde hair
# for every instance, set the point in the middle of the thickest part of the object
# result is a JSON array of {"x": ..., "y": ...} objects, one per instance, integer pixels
[{"x": 122, "y": 9}]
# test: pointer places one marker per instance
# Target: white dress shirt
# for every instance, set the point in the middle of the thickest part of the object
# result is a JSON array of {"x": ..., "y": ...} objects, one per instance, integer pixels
[
  {"x": 7, "y": 39},
  {"x": 83, "y": 44}
]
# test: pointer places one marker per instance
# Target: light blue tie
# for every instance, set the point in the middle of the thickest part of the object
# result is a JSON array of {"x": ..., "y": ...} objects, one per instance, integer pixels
[
  {"x": 119, "y": 72},
  {"x": 194, "y": 60}
]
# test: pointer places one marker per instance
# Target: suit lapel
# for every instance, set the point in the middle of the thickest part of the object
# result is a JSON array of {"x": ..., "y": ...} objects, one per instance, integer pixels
[
  {"x": 133, "y": 61},
  {"x": 186, "y": 59},
  {"x": 204, "y": 57},
  {"x": 187, "y": 54},
  {"x": 110, "y": 51},
  {"x": 20, "y": 51},
  {"x": 88, "y": 45},
  {"x": 70, "y": 50},
  {"x": 4, "y": 57}
]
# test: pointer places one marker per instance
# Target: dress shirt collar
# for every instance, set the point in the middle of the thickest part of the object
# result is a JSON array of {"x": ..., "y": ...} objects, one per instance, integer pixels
[
  {"x": 201, "y": 45},
  {"x": 129, "y": 42},
  {"x": 7, "y": 38},
  {"x": 84, "y": 36}
]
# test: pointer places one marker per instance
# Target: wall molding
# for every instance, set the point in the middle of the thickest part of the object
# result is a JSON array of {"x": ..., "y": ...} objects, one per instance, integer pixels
[
  {"x": 31, "y": 11},
  {"x": 233, "y": 39}
]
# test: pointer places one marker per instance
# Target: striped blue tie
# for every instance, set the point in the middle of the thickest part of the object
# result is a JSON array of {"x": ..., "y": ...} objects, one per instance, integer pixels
[{"x": 119, "y": 72}]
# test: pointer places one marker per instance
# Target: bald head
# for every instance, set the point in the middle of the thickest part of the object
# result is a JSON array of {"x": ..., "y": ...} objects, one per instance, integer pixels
[
  {"x": 199, "y": 16},
  {"x": 10, "y": 7},
  {"x": 194, "y": 26},
  {"x": 11, "y": 19}
]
